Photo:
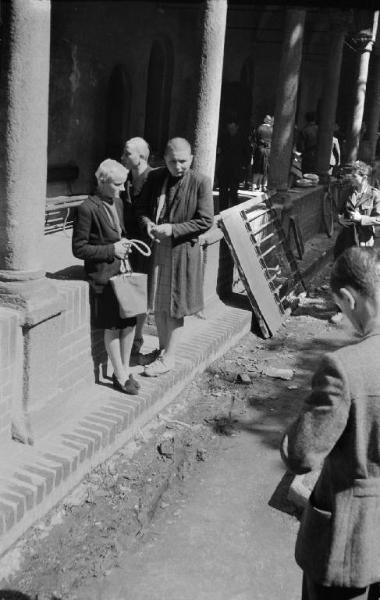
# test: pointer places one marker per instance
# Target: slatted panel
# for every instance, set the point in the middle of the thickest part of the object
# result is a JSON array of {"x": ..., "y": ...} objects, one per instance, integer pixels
[
  {"x": 59, "y": 213},
  {"x": 263, "y": 258}
]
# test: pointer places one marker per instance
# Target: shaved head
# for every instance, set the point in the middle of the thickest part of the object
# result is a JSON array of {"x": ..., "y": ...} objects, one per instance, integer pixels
[
  {"x": 177, "y": 144},
  {"x": 178, "y": 156}
]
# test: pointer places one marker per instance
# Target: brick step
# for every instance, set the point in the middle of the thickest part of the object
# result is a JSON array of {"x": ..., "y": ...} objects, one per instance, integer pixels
[{"x": 87, "y": 427}]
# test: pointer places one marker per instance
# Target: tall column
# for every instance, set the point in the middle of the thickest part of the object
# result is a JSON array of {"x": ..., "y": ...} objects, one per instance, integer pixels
[
  {"x": 286, "y": 99},
  {"x": 23, "y": 131},
  {"x": 214, "y": 14},
  {"x": 339, "y": 22},
  {"x": 24, "y": 89},
  {"x": 365, "y": 38},
  {"x": 374, "y": 110}
]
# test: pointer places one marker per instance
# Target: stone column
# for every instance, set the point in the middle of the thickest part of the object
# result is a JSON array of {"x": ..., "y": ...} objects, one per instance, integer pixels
[
  {"x": 365, "y": 40},
  {"x": 339, "y": 22},
  {"x": 214, "y": 14},
  {"x": 374, "y": 110},
  {"x": 23, "y": 130},
  {"x": 24, "y": 94},
  {"x": 286, "y": 99}
]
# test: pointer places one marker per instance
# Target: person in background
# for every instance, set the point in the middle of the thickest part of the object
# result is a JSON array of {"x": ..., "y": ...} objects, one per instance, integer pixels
[
  {"x": 335, "y": 152},
  {"x": 307, "y": 144},
  {"x": 338, "y": 431},
  {"x": 361, "y": 212},
  {"x": 175, "y": 207},
  {"x": 233, "y": 157},
  {"x": 135, "y": 158},
  {"x": 261, "y": 152},
  {"x": 99, "y": 239}
]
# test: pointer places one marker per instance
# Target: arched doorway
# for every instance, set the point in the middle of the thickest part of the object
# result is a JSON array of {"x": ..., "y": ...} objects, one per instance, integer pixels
[
  {"x": 158, "y": 96},
  {"x": 119, "y": 99}
]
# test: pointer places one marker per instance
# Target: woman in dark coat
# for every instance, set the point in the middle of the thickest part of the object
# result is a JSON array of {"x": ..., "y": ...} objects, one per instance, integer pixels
[
  {"x": 176, "y": 206},
  {"x": 99, "y": 240},
  {"x": 261, "y": 151},
  {"x": 135, "y": 158}
]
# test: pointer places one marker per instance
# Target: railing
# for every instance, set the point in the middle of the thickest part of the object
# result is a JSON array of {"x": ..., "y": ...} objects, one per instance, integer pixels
[{"x": 59, "y": 212}]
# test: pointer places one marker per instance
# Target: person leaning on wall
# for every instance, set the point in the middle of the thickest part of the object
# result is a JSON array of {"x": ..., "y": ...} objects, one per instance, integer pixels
[
  {"x": 99, "y": 240},
  {"x": 361, "y": 211},
  {"x": 175, "y": 207},
  {"x": 135, "y": 158},
  {"x": 338, "y": 432}
]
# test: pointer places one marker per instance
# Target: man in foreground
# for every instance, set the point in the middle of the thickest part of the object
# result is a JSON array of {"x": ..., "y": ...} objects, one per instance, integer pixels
[
  {"x": 338, "y": 431},
  {"x": 175, "y": 207}
]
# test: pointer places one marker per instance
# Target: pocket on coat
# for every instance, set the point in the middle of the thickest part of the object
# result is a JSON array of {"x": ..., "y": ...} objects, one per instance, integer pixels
[{"x": 313, "y": 541}]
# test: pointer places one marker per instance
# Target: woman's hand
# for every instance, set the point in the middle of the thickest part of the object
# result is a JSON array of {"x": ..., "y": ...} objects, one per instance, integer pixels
[
  {"x": 121, "y": 248},
  {"x": 343, "y": 221},
  {"x": 355, "y": 216}
]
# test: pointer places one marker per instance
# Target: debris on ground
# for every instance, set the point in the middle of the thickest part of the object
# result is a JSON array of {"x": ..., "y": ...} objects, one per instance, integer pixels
[
  {"x": 243, "y": 378},
  {"x": 82, "y": 539},
  {"x": 286, "y": 374}
]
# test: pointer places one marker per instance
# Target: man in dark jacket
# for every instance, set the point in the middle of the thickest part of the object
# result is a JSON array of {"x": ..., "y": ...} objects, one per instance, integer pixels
[
  {"x": 175, "y": 207},
  {"x": 338, "y": 431}
]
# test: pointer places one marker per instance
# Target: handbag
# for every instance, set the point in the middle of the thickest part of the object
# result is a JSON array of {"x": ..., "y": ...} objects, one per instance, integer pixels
[{"x": 130, "y": 288}]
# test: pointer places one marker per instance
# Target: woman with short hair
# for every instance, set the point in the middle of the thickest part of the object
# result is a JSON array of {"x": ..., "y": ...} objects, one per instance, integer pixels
[
  {"x": 99, "y": 239},
  {"x": 361, "y": 211}
]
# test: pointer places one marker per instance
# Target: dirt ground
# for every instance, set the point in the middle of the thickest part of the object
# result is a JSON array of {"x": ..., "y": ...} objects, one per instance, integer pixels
[{"x": 110, "y": 513}]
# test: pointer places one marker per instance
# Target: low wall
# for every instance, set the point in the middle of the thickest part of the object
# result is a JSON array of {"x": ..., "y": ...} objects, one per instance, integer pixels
[{"x": 304, "y": 204}]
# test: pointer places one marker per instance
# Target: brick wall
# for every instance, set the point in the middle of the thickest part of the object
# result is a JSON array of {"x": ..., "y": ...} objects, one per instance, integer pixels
[
  {"x": 81, "y": 349},
  {"x": 9, "y": 326}
]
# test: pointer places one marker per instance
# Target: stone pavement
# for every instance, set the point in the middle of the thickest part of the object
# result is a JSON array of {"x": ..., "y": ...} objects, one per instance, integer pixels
[{"x": 88, "y": 428}]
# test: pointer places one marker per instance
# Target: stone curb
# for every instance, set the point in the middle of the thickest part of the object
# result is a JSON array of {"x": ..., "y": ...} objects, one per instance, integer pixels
[{"x": 38, "y": 477}]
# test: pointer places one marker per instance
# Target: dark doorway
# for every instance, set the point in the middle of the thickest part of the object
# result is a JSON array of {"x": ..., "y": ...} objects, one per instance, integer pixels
[
  {"x": 158, "y": 96},
  {"x": 119, "y": 98}
]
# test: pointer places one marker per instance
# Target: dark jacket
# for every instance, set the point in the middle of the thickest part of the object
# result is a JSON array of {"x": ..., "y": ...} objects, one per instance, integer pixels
[
  {"x": 339, "y": 428},
  {"x": 93, "y": 238},
  {"x": 190, "y": 215}
]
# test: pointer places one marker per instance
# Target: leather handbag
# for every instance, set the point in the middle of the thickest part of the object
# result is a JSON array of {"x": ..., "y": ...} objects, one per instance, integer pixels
[{"x": 131, "y": 288}]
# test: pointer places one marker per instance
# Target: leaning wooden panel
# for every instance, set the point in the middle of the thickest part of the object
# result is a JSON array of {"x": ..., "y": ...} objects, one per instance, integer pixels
[{"x": 263, "y": 258}]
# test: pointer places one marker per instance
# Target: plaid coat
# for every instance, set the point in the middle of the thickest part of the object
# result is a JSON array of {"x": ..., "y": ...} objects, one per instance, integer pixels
[
  {"x": 191, "y": 214},
  {"x": 338, "y": 542}
]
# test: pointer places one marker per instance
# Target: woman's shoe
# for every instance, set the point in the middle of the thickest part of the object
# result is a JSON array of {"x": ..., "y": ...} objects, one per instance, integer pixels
[
  {"x": 134, "y": 381},
  {"x": 127, "y": 388}
]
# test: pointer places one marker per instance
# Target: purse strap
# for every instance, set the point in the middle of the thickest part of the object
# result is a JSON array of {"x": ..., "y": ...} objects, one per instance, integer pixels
[{"x": 142, "y": 247}]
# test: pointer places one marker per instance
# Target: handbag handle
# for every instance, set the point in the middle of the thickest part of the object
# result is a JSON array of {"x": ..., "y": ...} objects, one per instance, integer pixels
[{"x": 142, "y": 247}]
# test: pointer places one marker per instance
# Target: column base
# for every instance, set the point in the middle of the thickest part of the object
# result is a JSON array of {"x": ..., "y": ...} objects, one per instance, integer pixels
[
  {"x": 38, "y": 305},
  {"x": 36, "y": 299}
]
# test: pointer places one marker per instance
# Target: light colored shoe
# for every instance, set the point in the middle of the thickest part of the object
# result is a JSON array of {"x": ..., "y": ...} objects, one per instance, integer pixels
[{"x": 158, "y": 367}]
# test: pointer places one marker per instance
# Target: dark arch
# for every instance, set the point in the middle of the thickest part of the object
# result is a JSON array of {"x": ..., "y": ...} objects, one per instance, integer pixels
[
  {"x": 119, "y": 100},
  {"x": 158, "y": 95}
]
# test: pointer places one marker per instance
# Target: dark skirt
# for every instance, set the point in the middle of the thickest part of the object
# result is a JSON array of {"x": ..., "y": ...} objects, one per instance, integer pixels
[{"x": 105, "y": 310}]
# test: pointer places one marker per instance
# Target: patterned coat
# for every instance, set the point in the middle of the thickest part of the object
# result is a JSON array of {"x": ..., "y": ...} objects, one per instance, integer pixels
[
  {"x": 338, "y": 542},
  {"x": 191, "y": 214}
]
